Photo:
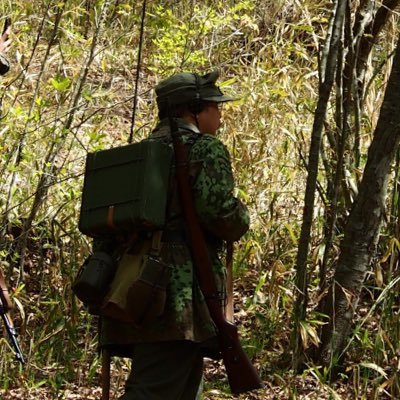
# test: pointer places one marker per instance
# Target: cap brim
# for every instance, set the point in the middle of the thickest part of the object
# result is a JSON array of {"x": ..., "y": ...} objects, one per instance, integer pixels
[{"x": 219, "y": 99}]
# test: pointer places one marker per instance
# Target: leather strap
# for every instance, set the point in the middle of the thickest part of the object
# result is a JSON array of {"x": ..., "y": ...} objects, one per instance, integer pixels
[
  {"x": 229, "y": 282},
  {"x": 156, "y": 243}
]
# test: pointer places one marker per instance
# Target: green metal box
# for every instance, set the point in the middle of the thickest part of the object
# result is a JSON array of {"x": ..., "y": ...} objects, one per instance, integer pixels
[{"x": 125, "y": 189}]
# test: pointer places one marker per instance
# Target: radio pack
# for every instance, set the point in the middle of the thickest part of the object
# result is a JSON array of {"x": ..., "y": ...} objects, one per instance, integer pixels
[{"x": 125, "y": 189}]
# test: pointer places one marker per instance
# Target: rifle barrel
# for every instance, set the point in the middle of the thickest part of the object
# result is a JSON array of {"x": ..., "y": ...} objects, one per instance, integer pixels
[{"x": 12, "y": 334}]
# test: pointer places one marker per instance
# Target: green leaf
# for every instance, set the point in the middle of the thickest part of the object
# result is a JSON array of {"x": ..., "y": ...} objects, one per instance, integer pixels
[{"x": 61, "y": 84}]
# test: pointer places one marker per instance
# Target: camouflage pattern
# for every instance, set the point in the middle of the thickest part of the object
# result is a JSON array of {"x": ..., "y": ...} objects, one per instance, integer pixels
[
  {"x": 222, "y": 216},
  {"x": 4, "y": 65}
]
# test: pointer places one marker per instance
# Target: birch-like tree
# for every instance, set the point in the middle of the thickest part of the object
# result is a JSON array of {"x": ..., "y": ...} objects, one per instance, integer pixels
[
  {"x": 353, "y": 32},
  {"x": 362, "y": 230}
]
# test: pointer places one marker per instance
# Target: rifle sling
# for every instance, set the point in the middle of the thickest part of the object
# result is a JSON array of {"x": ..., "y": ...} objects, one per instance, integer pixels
[{"x": 242, "y": 375}]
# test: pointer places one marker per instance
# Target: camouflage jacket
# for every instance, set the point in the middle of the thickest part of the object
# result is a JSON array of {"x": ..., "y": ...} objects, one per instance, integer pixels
[
  {"x": 223, "y": 217},
  {"x": 4, "y": 65}
]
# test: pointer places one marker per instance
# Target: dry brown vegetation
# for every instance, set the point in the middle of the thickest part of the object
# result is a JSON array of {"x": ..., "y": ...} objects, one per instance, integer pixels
[{"x": 70, "y": 91}]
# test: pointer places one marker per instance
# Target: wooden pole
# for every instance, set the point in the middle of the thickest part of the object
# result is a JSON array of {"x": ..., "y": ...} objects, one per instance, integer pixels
[
  {"x": 229, "y": 282},
  {"x": 105, "y": 374}
]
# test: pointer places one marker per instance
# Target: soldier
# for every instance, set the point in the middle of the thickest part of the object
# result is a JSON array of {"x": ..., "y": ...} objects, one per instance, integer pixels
[
  {"x": 5, "y": 44},
  {"x": 168, "y": 352}
]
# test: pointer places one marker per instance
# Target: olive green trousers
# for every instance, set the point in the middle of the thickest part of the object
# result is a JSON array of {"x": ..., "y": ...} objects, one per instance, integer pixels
[{"x": 165, "y": 371}]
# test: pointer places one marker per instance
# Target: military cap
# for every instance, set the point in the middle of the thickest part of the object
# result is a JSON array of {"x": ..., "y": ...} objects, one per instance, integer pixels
[{"x": 188, "y": 87}]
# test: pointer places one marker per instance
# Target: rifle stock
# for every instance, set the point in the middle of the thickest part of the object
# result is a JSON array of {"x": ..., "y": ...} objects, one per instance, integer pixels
[{"x": 242, "y": 375}]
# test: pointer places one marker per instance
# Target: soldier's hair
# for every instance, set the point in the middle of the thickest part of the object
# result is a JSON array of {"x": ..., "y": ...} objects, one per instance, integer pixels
[{"x": 178, "y": 111}]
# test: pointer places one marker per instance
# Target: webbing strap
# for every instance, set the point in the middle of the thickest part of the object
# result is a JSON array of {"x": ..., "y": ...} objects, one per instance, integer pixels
[{"x": 156, "y": 243}]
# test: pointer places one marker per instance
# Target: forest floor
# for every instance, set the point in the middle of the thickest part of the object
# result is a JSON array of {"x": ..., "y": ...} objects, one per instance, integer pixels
[
  {"x": 280, "y": 382},
  {"x": 282, "y": 386},
  {"x": 304, "y": 389}
]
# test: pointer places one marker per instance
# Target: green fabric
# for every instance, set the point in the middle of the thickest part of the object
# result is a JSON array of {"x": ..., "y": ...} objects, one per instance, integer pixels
[
  {"x": 186, "y": 87},
  {"x": 223, "y": 217},
  {"x": 220, "y": 212},
  {"x": 165, "y": 371}
]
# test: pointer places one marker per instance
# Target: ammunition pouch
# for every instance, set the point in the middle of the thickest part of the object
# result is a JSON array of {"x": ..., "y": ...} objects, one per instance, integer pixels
[
  {"x": 138, "y": 292},
  {"x": 94, "y": 278}
]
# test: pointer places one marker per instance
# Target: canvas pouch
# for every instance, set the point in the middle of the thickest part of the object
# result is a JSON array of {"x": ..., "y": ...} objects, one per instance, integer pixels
[
  {"x": 94, "y": 278},
  {"x": 138, "y": 291}
]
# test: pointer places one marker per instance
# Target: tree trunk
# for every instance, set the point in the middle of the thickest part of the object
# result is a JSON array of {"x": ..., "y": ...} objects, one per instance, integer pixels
[
  {"x": 369, "y": 21},
  {"x": 325, "y": 88},
  {"x": 368, "y": 38},
  {"x": 49, "y": 169},
  {"x": 362, "y": 230}
]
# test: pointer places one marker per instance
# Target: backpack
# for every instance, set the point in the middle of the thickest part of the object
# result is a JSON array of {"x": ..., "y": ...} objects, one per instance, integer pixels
[{"x": 125, "y": 189}]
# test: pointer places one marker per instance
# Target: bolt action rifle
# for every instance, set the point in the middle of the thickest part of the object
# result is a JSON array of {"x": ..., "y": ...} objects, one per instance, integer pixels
[
  {"x": 242, "y": 375},
  {"x": 5, "y": 306}
]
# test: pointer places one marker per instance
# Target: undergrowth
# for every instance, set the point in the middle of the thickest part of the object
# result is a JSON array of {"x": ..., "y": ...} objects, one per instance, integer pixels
[{"x": 70, "y": 91}]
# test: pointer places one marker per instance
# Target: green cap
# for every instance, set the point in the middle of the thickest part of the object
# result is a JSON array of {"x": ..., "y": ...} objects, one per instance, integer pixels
[{"x": 187, "y": 87}]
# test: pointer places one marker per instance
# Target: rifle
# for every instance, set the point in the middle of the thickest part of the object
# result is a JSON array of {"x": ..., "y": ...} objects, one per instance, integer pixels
[
  {"x": 242, "y": 375},
  {"x": 5, "y": 306}
]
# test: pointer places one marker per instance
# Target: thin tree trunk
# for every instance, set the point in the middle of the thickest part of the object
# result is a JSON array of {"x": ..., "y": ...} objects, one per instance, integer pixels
[
  {"x": 49, "y": 169},
  {"x": 367, "y": 39},
  {"x": 334, "y": 184},
  {"x": 320, "y": 113},
  {"x": 350, "y": 104},
  {"x": 21, "y": 142},
  {"x": 362, "y": 230}
]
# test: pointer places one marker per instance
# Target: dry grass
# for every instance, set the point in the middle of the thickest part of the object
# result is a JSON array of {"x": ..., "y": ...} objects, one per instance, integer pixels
[{"x": 268, "y": 57}]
